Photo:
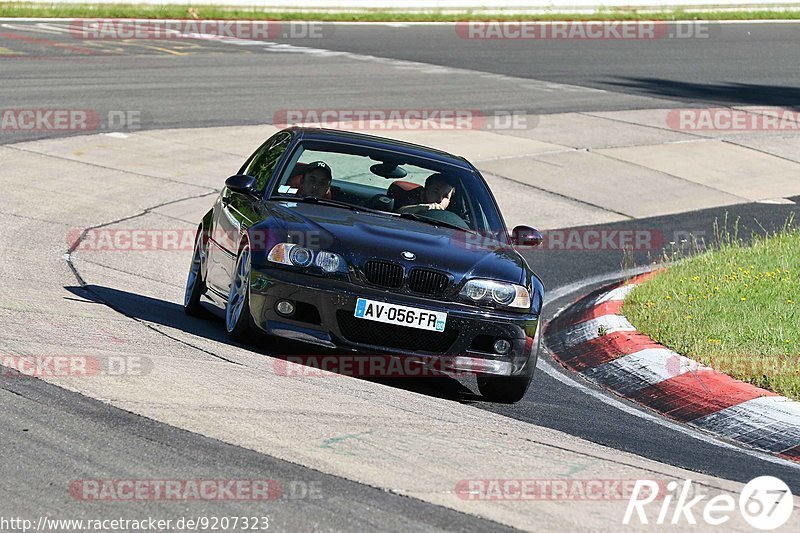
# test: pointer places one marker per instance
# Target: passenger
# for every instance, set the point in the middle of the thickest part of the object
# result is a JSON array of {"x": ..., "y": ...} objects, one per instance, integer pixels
[
  {"x": 316, "y": 181},
  {"x": 436, "y": 195}
]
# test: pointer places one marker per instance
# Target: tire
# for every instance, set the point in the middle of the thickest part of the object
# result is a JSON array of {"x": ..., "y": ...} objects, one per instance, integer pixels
[
  {"x": 195, "y": 284},
  {"x": 506, "y": 389},
  {"x": 237, "y": 309}
]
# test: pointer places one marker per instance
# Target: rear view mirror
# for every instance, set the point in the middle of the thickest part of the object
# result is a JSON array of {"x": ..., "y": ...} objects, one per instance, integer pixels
[
  {"x": 526, "y": 236},
  {"x": 388, "y": 170},
  {"x": 241, "y": 183}
]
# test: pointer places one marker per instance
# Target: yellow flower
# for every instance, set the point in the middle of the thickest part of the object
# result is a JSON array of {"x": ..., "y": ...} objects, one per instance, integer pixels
[{"x": 743, "y": 298}]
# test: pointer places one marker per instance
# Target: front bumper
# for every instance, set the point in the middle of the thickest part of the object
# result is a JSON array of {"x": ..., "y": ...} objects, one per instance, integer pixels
[{"x": 325, "y": 316}]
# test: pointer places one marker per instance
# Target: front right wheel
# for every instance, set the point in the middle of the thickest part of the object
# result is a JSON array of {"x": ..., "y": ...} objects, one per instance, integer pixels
[{"x": 506, "y": 389}]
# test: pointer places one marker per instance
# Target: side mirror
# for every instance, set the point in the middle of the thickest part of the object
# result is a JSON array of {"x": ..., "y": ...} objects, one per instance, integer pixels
[
  {"x": 526, "y": 236},
  {"x": 241, "y": 183}
]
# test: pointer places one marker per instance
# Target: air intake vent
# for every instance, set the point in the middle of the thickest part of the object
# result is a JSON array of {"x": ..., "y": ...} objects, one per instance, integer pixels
[
  {"x": 426, "y": 281},
  {"x": 384, "y": 274}
]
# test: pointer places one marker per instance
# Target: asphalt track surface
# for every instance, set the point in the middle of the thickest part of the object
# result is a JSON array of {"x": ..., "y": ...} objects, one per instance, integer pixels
[
  {"x": 126, "y": 446},
  {"x": 741, "y": 64},
  {"x": 179, "y": 83}
]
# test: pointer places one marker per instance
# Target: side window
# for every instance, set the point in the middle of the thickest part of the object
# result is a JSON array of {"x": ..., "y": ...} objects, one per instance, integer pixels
[{"x": 263, "y": 164}]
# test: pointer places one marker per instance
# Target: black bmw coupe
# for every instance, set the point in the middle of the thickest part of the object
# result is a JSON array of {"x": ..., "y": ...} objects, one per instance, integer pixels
[{"x": 371, "y": 245}]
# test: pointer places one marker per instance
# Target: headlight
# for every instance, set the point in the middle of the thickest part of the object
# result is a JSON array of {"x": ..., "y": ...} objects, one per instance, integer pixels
[
  {"x": 504, "y": 294},
  {"x": 295, "y": 255},
  {"x": 329, "y": 262},
  {"x": 300, "y": 256},
  {"x": 287, "y": 254},
  {"x": 474, "y": 291},
  {"x": 487, "y": 291}
]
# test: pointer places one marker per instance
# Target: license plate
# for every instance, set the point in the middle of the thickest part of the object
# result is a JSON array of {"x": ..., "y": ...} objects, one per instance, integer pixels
[{"x": 400, "y": 315}]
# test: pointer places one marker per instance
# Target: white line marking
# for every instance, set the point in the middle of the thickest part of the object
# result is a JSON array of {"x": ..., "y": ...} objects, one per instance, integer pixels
[
  {"x": 31, "y": 29},
  {"x": 618, "y": 294},
  {"x": 60, "y": 28},
  {"x": 426, "y": 68},
  {"x": 566, "y": 290},
  {"x": 591, "y": 329}
]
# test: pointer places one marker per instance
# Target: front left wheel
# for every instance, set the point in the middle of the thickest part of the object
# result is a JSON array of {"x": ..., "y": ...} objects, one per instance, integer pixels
[
  {"x": 195, "y": 284},
  {"x": 237, "y": 310}
]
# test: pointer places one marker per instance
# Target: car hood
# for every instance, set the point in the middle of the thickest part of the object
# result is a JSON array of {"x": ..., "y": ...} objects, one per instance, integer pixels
[{"x": 360, "y": 236}]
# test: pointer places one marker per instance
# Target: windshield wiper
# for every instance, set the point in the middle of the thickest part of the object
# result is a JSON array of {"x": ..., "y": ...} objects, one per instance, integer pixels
[
  {"x": 351, "y": 207},
  {"x": 435, "y": 222},
  {"x": 332, "y": 203}
]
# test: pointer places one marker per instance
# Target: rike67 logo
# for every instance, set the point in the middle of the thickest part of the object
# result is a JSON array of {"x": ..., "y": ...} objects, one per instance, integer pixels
[{"x": 765, "y": 503}]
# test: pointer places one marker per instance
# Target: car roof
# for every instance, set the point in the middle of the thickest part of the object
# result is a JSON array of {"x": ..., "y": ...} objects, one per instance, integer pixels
[{"x": 361, "y": 139}]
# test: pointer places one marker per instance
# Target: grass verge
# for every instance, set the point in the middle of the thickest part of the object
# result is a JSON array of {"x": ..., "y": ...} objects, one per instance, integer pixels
[
  {"x": 735, "y": 309},
  {"x": 23, "y": 9}
]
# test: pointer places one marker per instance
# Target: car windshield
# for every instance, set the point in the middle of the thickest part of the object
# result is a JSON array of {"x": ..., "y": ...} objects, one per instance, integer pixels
[{"x": 396, "y": 183}]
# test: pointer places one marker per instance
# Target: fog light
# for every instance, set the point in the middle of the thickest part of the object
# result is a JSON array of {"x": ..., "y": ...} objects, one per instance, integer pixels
[
  {"x": 502, "y": 346},
  {"x": 284, "y": 307}
]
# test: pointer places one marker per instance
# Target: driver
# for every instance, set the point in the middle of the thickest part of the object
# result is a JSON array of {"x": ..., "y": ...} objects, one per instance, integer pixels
[
  {"x": 436, "y": 195},
  {"x": 316, "y": 180}
]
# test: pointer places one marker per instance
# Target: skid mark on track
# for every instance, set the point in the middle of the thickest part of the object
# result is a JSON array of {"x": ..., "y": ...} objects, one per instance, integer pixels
[{"x": 332, "y": 443}]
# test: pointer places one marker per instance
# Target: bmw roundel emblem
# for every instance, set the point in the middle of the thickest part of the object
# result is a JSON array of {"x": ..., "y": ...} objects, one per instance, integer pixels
[{"x": 408, "y": 255}]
